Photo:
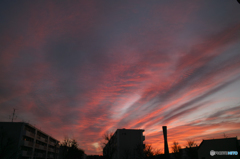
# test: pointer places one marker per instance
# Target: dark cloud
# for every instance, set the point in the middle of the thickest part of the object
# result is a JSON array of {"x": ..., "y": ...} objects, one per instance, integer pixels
[
  {"x": 191, "y": 103},
  {"x": 219, "y": 113},
  {"x": 89, "y": 67}
]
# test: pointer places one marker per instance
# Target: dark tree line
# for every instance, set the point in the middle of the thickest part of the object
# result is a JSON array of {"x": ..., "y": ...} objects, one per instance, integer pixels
[
  {"x": 190, "y": 150},
  {"x": 69, "y": 149}
]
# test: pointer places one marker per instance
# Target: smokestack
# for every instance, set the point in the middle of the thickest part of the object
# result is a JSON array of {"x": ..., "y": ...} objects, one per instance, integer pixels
[{"x": 166, "y": 151}]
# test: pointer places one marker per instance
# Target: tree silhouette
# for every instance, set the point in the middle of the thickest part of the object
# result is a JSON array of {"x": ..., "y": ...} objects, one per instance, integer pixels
[
  {"x": 191, "y": 144},
  {"x": 70, "y": 150},
  {"x": 148, "y": 150},
  {"x": 191, "y": 149},
  {"x": 157, "y": 152},
  {"x": 109, "y": 145},
  {"x": 176, "y": 150}
]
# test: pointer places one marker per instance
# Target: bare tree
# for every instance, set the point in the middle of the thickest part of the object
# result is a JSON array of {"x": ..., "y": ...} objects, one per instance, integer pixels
[
  {"x": 69, "y": 149},
  {"x": 148, "y": 150},
  {"x": 191, "y": 149},
  {"x": 106, "y": 137},
  {"x": 158, "y": 152},
  {"x": 109, "y": 145},
  {"x": 176, "y": 149},
  {"x": 191, "y": 144}
]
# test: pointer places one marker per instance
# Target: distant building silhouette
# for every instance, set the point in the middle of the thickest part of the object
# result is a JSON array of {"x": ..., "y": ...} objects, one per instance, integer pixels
[
  {"x": 189, "y": 153},
  {"x": 219, "y": 148},
  {"x": 30, "y": 141},
  {"x": 94, "y": 157},
  {"x": 125, "y": 144}
]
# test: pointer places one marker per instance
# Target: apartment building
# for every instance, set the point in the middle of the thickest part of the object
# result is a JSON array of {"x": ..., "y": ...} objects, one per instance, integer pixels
[
  {"x": 125, "y": 144},
  {"x": 24, "y": 141}
]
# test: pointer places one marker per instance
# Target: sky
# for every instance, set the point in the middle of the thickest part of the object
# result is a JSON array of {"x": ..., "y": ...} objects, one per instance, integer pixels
[{"x": 80, "y": 69}]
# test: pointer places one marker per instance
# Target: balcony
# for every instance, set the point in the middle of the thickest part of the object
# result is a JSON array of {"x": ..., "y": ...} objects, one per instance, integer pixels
[
  {"x": 143, "y": 138},
  {"x": 41, "y": 155},
  {"x": 29, "y": 134},
  {"x": 44, "y": 139},
  {"x": 28, "y": 143},
  {"x": 50, "y": 156},
  {"x": 36, "y": 154},
  {"x": 51, "y": 149},
  {"x": 37, "y": 146},
  {"x": 41, "y": 147},
  {"x": 27, "y": 153},
  {"x": 38, "y": 137},
  {"x": 52, "y": 143}
]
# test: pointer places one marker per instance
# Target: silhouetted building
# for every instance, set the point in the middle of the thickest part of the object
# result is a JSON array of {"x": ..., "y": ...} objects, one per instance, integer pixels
[
  {"x": 94, "y": 157},
  {"x": 160, "y": 156},
  {"x": 125, "y": 143},
  {"x": 28, "y": 142},
  {"x": 219, "y": 148},
  {"x": 189, "y": 153}
]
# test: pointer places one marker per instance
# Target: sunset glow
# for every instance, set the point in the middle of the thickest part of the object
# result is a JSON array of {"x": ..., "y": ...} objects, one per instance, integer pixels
[{"x": 83, "y": 68}]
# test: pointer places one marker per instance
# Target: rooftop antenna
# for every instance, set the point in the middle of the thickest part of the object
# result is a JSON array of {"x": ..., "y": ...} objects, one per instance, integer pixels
[
  {"x": 225, "y": 136},
  {"x": 13, "y": 116}
]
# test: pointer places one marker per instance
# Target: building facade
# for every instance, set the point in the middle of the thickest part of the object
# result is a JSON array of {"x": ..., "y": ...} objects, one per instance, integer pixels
[
  {"x": 125, "y": 144},
  {"x": 27, "y": 142},
  {"x": 219, "y": 148}
]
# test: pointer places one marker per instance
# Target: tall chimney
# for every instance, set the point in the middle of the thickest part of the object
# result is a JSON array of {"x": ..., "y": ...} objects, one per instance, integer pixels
[{"x": 166, "y": 151}]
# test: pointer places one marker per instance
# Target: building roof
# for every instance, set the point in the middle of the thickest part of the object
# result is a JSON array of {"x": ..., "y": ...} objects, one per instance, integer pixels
[
  {"x": 222, "y": 141},
  {"x": 30, "y": 126},
  {"x": 131, "y": 129},
  {"x": 128, "y": 130}
]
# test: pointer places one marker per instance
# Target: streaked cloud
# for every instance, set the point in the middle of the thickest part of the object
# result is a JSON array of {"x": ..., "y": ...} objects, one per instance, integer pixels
[{"x": 81, "y": 69}]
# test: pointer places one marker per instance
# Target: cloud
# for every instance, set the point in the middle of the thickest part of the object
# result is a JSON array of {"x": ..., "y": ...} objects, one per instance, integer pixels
[
  {"x": 84, "y": 68},
  {"x": 229, "y": 113}
]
